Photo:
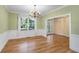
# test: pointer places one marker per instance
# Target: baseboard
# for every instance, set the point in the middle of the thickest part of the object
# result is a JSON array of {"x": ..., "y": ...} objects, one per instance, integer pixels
[
  {"x": 74, "y": 42},
  {"x": 3, "y": 40},
  {"x": 62, "y": 34},
  {"x": 14, "y": 34}
]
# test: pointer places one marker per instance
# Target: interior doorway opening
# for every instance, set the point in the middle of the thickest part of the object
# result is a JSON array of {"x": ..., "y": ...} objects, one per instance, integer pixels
[
  {"x": 59, "y": 30},
  {"x": 59, "y": 25}
]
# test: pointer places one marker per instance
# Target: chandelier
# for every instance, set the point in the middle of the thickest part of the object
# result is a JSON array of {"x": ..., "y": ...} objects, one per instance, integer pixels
[{"x": 34, "y": 13}]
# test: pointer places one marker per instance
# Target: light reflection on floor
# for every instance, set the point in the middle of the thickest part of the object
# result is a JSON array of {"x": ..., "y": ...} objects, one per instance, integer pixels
[
  {"x": 27, "y": 46},
  {"x": 53, "y": 43}
]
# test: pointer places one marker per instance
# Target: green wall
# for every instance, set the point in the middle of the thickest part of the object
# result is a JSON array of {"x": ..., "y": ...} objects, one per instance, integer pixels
[
  {"x": 12, "y": 21},
  {"x": 74, "y": 10},
  {"x": 40, "y": 23},
  {"x": 9, "y": 20},
  {"x": 3, "y": 19}
]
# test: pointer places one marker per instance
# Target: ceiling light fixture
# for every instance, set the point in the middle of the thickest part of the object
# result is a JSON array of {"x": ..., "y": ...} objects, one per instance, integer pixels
[{"x": 34, "y": 13}]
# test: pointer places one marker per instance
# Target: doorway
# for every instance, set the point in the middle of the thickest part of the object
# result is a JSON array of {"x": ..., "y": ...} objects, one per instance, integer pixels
[
  {"x": 59, "y": 25},
  {"x": 59, "y": 30}
]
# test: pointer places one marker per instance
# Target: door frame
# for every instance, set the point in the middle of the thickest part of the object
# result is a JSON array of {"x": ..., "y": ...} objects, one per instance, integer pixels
[
  {"x": 49, "y": 20},
  {"x": 60, "y": 16}
]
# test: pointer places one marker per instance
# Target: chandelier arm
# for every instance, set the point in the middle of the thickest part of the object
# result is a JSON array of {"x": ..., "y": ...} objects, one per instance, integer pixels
[{"x": 34, "y": 13}]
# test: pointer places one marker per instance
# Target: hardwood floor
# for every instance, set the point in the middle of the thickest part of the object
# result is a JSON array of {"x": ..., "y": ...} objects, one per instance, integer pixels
[{"x": 38, "y": 44}]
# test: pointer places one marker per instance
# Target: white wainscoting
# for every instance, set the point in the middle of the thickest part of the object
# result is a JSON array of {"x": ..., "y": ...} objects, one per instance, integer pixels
[
  {"x": 3, "y": 40},
  {"x": 74, "y": 42},
  {"x": 13, "y": 34}
]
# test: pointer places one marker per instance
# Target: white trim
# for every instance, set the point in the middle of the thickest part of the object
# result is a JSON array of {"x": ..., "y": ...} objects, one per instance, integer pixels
[
  {"x": 62, "y": 15},
  {"x": 69, "y": 27},
  {"x": 46, "y": 26},
  {"x": 3, "y": 40},
  {"x": 57, "y": 9},
  {"x": 62, "y": 34},
  {"x": 74, "y": 42},
  {"x": 19, "y": 22},
  {"x": 35, "y": 24}
]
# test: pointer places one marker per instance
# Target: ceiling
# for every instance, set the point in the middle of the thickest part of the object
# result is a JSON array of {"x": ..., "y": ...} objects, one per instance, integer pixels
[{"x": 43, "y": 9}]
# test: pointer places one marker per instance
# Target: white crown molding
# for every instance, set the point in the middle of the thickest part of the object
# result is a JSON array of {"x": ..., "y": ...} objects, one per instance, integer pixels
[
  {"x": 43, "y": 15},
  {"x": 56, "y": 9},
  {"x": 13, "y": 11}
]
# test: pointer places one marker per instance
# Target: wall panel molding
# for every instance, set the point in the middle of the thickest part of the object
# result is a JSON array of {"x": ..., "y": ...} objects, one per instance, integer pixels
[
  {"x": 74, "y": 42},
  {"x": 3, "y": 40}
]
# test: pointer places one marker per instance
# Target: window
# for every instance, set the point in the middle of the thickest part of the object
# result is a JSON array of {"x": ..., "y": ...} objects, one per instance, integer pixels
[{"x": 26, "y": 23}]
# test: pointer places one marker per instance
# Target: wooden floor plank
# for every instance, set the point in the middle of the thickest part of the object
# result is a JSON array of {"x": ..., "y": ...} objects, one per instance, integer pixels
[{"x": 38, "y": 44}]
